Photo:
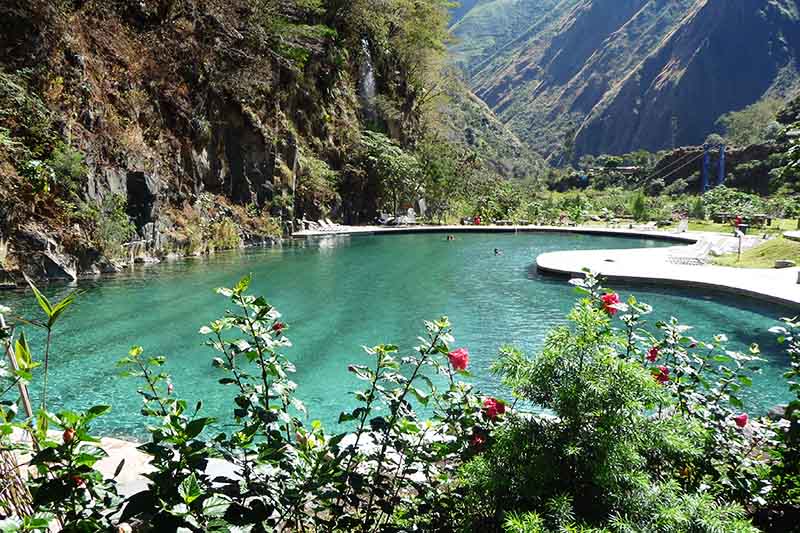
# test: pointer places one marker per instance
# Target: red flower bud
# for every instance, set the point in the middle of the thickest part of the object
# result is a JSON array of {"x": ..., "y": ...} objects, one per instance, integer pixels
[
  {"x": 277, "y": 327},
  {"x": 741, "y": 420},
  {"x": 69, "y": 435},
  {"x": 609, "y": 300},
  {"x": 652, "y": 354},
  {"x": 662, "y": 376},
  {"x": 493, "y": 407},
  {"x": 459, "y": 358},
  {"x": 78, "y": 481},
  {"x": 478, "y": 440}
]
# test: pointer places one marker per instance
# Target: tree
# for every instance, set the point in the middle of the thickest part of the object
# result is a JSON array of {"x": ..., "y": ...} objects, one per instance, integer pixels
[
  {"x": 397, "y": 171},
  {"x": 750, "y": 125}
]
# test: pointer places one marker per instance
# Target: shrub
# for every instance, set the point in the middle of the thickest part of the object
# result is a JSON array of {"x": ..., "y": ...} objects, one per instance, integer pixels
[
  {"x": 638, "y": 207},
  {"x": 642, "y": 431},
  {"x": 724, "y": 199},
  {"x": 698, "y": 209},
  {"x": 68, "y": 165},
  {"x": 112, "y": 226}
]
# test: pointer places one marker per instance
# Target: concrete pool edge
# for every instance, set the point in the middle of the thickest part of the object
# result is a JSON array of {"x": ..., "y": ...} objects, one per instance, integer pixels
[
  {"x": 767, "y": 285},
  {"x": 774, "y": 286},
  {"x": 686, "y": 238}
]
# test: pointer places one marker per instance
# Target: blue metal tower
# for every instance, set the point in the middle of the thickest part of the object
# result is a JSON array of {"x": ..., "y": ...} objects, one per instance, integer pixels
[{"x": 706, "y": 164}]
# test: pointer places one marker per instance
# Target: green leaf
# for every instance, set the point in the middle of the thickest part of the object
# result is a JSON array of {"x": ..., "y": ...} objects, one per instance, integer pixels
[
  {"x": 420, "y": 395},
  {"x": 243, "y": 284},
  {"x": 215, "y": 506},
  {"x": 23, "y": 353},
  {"x": 119, "y": 469},
  {"x": 62, "y": 306},
  {"x": 44, "y": 303},
  {"x": 189, "y": 489},
  {"x": 99, "y": 410},
  {"x": 195, "y": 427}
]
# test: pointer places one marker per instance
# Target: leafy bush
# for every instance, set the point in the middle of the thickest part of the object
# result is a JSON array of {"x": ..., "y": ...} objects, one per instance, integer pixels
[
  {"x": 642, "y": 430},
  {"x": 112, "y": 225},
  {"x": 727, "y": 200},
  {"x": 69, "y": 167},
  {"x": 639, "y": 209}
]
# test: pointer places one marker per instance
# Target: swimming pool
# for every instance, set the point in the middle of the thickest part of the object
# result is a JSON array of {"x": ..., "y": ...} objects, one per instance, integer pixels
[{"x": 338, "y": 293}]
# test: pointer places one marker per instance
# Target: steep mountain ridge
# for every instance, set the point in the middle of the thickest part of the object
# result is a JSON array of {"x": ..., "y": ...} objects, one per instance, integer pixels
[{"x": 595, "y": 76}]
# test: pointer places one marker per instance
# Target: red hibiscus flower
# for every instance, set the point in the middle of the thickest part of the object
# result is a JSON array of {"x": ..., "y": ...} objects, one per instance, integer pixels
[
  {"x": 459, "y": 358},
  {"x": 652, "y": 354},
  {"x": 663, "y": 375},
  {"x": 609, "y": 300},
  {"x": 741, "y": 420},
  {"x": 477, "y": 440},
  {"x": 493, "y": 407},
  {"x": 277, "y": 327}
]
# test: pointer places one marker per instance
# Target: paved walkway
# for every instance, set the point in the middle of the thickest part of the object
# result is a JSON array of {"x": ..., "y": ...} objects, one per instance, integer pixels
[{"x": 657, "y": 266}]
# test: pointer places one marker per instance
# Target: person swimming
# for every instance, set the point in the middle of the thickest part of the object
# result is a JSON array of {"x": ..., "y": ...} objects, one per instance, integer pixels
[
  {"x": 451, "y": 238},
  {"x": 498, "y": 251}
]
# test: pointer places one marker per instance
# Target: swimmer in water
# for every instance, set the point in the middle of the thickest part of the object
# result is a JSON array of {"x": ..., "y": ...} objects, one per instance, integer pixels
[{"x": 498, "y": 251}]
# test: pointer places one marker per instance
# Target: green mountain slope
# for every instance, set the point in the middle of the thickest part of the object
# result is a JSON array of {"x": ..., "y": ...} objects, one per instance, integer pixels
[
  {"x": 617, "y": 76},
  {"x": 469, "y": 122}
]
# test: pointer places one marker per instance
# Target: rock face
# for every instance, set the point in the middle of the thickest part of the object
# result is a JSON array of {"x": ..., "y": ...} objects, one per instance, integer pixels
[
  {"x": 169, "y": 107},
  {"x": 626, "y": 74}
]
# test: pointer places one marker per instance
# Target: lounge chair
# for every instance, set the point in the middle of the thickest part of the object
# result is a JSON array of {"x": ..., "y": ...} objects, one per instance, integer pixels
[{"x": 696, "y": 254}]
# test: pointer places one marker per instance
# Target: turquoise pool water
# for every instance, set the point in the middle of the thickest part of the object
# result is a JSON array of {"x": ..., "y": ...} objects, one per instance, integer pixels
[{"x": 339, "y": 293}]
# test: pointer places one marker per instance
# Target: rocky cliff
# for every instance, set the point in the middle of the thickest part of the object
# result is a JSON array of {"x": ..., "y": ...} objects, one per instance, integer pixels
[
  {"x": 207, "y": 121},
  {"x": 603, "y": 76}
]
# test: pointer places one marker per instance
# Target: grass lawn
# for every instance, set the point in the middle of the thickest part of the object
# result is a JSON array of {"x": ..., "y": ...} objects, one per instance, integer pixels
[{"x": 764, "y": 255}]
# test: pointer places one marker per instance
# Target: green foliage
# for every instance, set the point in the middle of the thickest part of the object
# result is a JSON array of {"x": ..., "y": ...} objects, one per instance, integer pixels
[
  {"x": 785, "y": 469},
  {"x": 639, "y": 207},
  {"x": 317, "y": 186},
  {"x": 69, "y": 167},
  {"x": 751, "y": 125},
  {"x": 723, "y": 199},
  {"x": 638, "y": 424},
  {"x": 636, "y": 429},
  {"x": 698, "y": 208},
  {"x": 112, "y": 225},
  {"x": 397, "y": 172}
]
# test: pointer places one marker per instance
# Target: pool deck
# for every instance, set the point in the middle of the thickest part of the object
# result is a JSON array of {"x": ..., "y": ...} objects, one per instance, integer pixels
[
  {"x": 584, "y": 230},
  {"x": 643, "y": 265}
]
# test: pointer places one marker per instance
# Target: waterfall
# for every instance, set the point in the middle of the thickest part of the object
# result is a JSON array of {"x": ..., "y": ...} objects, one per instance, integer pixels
[{"x": 366, "y": 82}]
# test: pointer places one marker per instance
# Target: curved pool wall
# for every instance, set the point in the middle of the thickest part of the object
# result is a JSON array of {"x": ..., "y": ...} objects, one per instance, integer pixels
[{"x": 338, "y": 293}]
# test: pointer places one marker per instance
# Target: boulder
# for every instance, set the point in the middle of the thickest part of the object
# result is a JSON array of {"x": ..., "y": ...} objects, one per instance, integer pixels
[
  {"x": 57, "y": 266},
  {"x": 784, "y": 263}
]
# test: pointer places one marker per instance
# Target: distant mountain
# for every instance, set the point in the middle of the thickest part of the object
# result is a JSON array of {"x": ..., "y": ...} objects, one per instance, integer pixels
[
  {"x": 468, "y": 121},
  {"x": 462, "y": 9},
  {"x": 611, "y": 76}
]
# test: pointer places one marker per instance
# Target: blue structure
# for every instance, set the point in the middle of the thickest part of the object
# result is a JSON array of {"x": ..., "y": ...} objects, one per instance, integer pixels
[
  {"x": 706, "y": 164},
  {"x": 707, "y": 167}
]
